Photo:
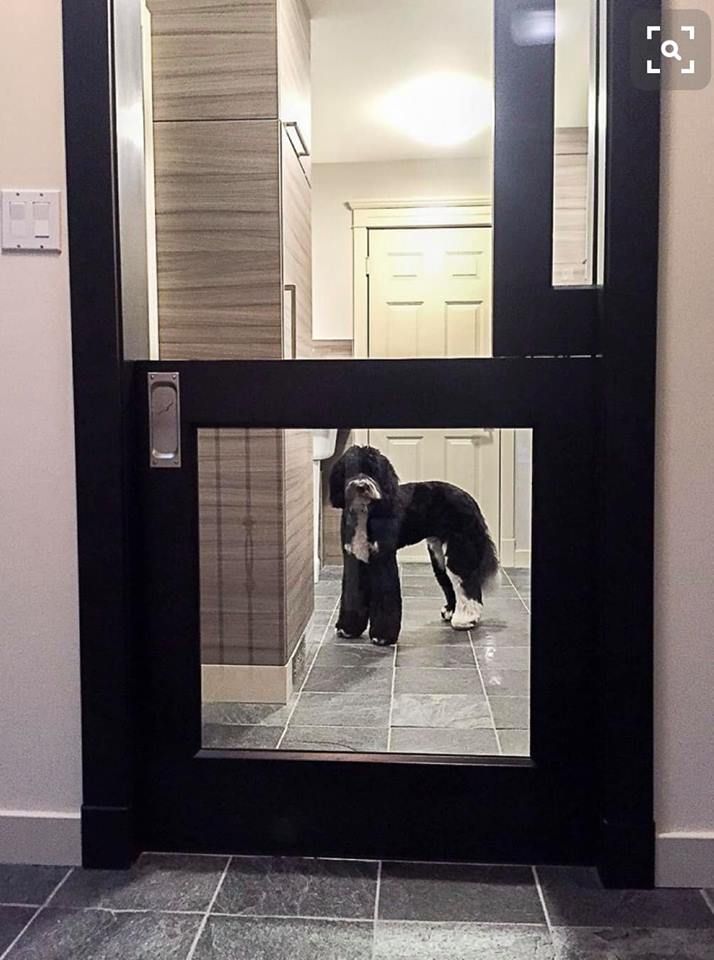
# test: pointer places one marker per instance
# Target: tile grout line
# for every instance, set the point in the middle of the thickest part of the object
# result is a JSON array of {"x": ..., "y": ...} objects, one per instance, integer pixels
[
  {"x": 363, "y": 920},
  {"x": 541, "y": 896},
  {"x": 488, "y": 699},
  {"x": 25, "y": 906},
  {"x": 391, "y": 701},
  {"x": 518, "y": 593},
  {"x": 708, "y": 900},
  {"x": 36, "y": 914},
  {"x": 211, "y": 903},
  {"x": 307, "y": 675},
  {"x": 376, "y": 903},
  {"x": 120, "y": 910}
]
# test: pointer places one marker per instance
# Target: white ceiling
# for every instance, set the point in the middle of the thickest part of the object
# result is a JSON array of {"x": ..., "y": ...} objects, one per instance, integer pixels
[{"x": 362, "y": 50}]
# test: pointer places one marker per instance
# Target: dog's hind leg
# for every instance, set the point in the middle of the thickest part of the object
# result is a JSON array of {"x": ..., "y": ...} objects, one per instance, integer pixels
[
  {"x": 354, "y": 602},
  {"x": 438, "y": 565},
  {"x": 462, "y": 568},
  {"x": 385, "y": 606}
]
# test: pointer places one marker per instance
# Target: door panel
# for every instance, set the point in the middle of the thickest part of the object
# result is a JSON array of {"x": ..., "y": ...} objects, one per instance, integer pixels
[
  {"x": 429, "y": 292},
  {"x": 330, "y": 798}
]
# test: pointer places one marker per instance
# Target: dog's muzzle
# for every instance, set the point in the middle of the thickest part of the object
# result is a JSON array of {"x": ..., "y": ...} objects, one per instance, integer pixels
[{"x": 363, "y": 487}]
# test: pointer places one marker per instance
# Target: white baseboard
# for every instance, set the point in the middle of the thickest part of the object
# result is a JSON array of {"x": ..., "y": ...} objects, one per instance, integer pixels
[
  {"x": 507, "y": 553},
  {"x": 246, "y": 684},
  {"x": 522, "y": 558},
  {"x": 685, "y": 859},
  {"x": 28, "y": 836}
]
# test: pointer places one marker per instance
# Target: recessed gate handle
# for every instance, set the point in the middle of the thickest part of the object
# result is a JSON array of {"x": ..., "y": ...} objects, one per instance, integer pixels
[{"x": 164, "y": 420}]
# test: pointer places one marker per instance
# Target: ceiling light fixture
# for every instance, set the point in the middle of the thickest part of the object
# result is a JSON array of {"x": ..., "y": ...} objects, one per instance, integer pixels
[{"x": 440, "y": 109}]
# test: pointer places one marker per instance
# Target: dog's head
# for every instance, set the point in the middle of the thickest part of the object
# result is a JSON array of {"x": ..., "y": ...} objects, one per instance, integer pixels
[{"x": 361, "y": 476}]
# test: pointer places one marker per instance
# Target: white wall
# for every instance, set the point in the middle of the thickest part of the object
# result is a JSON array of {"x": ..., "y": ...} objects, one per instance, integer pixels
[
  {"x": 40, "y": 775},
  {"x": 334, "y": 184},
  {"x": 684, "y": 608}
]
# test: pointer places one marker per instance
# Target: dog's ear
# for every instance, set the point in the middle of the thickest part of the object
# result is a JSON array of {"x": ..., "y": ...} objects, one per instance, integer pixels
[
  {"x": 337, "y": 483},
  {"x": 387, "y": 477}
]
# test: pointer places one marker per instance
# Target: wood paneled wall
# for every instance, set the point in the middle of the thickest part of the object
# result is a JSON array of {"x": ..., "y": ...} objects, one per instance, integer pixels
[
  {"x": 233, "y": 225},
  {"x": 214, "y": 59},
  {"x": 218, "y": 239},
  {"x": 299, "y": 561},
  {"x": 255, "y": 504},
  {"x": 294, "y": 99},
  {"x": 297, "y": 244}
]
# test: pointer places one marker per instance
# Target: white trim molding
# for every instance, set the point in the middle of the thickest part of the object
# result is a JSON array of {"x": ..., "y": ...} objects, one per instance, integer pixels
[
  {"x": 464, "y": 212},
  {"x": 44, "y": 837},
  {"x": 372, "y": 214},
  {"x": 685, "y": 858}
]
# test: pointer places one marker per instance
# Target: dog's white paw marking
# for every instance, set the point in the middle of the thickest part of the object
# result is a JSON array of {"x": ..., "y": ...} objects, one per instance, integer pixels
[
  {"x": 446, "y": 613},
  {"x": 374, "y": 547},
  {"x": 348, "y": 548},
  {"x": 468, "y": 610},
  {"x": 467, "y": 614}
]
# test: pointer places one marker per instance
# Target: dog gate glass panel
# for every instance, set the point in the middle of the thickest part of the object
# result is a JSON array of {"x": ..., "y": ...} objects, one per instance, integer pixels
[
  {"x": 365, "y": 590},
  {"x": 579, "y": 145}
]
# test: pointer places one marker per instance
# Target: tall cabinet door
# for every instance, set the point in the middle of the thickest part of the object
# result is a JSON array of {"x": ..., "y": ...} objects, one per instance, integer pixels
[{"x": 297, "y": 254}]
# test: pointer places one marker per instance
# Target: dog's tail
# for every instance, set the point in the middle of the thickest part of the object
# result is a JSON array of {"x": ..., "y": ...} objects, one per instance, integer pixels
[{"x": 489, "y": 566}]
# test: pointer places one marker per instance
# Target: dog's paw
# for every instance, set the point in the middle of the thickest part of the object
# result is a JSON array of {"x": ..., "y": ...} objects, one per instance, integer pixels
[
  {"x": 382, "y": 643},
  {"x": 446, "y": 613},
  {"x": 466, "y": 616},
  {"x": 373, "y": 548},
  {"x": 346, "y": 635}
]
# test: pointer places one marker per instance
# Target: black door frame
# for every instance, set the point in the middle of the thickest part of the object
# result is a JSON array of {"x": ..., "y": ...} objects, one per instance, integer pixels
[
  {"x": 621, "y": 327},
  {"x": 394, "y": 806}
]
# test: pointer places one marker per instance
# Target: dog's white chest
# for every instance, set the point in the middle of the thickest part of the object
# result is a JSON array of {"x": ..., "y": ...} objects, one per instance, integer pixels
[{"x": 359, "y": 545}]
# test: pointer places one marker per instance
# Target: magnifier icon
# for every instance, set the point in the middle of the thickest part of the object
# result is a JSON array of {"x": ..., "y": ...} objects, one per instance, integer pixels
[{"x": 670, "y": 49}]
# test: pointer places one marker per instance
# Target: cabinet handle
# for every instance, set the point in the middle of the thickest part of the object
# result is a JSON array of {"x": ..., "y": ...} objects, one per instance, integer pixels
[
  {"x": 302, "y": 150},
  {"x": 291, "y": 289}
]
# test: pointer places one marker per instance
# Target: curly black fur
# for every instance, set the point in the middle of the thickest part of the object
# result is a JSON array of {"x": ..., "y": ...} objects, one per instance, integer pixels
[{"x": 379, "y": 516}]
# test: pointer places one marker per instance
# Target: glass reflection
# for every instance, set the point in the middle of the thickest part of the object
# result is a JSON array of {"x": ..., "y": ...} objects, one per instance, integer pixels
[
  {"x": 366, "y": 590},
  {"x": 579, "y": 128}
]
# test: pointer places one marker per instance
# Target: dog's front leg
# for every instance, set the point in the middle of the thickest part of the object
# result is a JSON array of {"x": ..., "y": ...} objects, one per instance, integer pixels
[
  {"x": 385, "y": 605},
  {"x": 354, "y": 602}
]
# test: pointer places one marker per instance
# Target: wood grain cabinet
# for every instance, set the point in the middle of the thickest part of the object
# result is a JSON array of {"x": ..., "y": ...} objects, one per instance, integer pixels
[
  {"x": 231, "y": 85},
  {"x": 231, "y": 88}
]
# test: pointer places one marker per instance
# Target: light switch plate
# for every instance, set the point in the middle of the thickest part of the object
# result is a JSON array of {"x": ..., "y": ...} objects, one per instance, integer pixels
[{"x": 31, "y": 220}]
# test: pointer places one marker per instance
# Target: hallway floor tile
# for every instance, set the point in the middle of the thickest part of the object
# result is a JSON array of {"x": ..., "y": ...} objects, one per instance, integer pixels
[{"x": 171, "y": 907}]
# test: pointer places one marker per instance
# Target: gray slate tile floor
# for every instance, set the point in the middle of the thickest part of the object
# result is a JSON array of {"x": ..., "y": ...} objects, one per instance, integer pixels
[
  {"x": 439, "y": 691},
  {"x": 171, "y": 907}
]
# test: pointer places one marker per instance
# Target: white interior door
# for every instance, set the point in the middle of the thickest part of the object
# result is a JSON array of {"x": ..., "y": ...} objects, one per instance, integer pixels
[
  {"x": 430, "y": 296},
  {"x": 430, "y": 292}
]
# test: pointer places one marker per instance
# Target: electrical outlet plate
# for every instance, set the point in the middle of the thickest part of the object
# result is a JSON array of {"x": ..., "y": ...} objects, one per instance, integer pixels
[{"x": 31, "y": 220}]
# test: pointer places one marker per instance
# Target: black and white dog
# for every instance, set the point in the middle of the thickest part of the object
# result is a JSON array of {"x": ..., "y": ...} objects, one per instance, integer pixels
[{"x": 380, "y": 515}]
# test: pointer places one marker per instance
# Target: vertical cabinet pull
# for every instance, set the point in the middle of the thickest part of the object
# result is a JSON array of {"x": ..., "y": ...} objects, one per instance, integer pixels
[{"x": 290, "y": 339}]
